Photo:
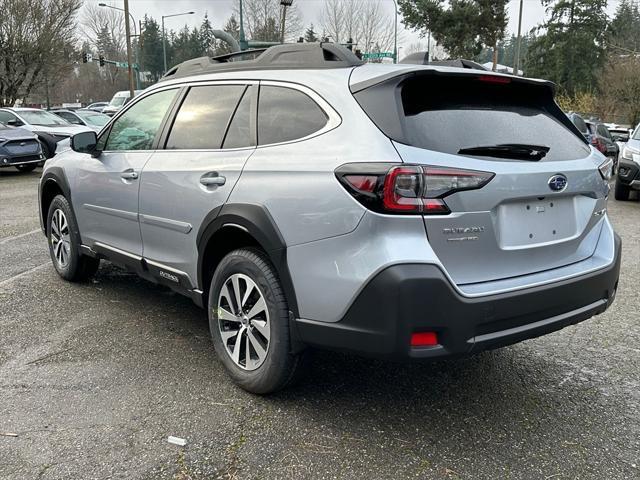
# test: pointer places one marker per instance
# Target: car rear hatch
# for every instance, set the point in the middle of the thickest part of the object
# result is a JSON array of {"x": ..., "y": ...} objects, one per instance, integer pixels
[{"x": 543, "y": 205}]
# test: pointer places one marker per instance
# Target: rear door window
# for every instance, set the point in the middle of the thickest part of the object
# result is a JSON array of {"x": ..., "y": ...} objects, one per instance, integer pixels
[
  {"x": 579, "y": 123},
  {"x": 204, "y": 116},
  {"x": 285, "y": 114}
]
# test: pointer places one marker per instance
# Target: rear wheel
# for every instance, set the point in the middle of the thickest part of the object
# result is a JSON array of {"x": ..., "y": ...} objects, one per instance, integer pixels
[
  {"x": 64, "y": 243},
  {"x": 249, "y": 322},
  {"x": 29, "y": 167},
  {"x": 621, "y": 192}
]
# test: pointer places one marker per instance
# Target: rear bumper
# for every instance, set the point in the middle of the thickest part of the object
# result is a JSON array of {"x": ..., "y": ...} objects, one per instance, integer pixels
[
  {"x": 410, "y": 298},
  {"x": 629, "y": 173}
]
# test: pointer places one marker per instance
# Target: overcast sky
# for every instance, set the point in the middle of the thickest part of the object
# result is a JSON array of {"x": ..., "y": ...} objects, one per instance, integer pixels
[{"x": 310, "y": 10}]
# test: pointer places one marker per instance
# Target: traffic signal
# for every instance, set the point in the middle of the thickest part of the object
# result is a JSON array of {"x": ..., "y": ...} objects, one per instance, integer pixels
[
  {"x": 84, "y": 57},
  {"x": 101, "y": 59}
]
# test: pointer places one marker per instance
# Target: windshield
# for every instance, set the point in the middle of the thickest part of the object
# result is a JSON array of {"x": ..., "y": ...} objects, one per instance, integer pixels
[
  {"x": 93, "y": 119},
  {"x": 636, "y": 134},
  {"x": 40, "y": 117},
  {"x": 117, "y": 101}
]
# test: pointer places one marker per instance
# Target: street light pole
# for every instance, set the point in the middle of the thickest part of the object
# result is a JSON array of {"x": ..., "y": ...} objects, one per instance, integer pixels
[
  {"x": 164, "y": 48},
  {"x": 516, "y": 66},
  {"x": 285, "y": 4},
  {"x": 395, "y": 32},
  {"x": 243, "y": 40},
  {"x": 127, "y": 29}
]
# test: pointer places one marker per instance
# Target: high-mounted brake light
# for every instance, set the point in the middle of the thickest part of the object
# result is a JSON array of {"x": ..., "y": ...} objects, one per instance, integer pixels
[
  {"x": 408, "y": 189},
  {"x": 494, "y": 79}
]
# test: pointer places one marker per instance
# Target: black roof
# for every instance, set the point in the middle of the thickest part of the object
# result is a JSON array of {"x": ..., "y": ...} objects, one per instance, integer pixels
[{"x": 286, "y": 56}]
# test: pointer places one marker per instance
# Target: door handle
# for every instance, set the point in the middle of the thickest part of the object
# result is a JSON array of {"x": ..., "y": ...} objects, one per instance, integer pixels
[
  {"x": 212, "y": 179},
  {"x": 129, "y": 174}
]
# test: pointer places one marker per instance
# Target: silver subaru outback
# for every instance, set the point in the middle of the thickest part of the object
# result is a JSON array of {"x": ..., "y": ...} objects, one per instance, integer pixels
[{"x": 306, "y": 199}]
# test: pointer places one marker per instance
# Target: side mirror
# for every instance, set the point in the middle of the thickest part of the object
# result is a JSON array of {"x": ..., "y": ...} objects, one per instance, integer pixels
[
  {"x": 15, "y": 123},
  {"x": 84, "y": 142}
]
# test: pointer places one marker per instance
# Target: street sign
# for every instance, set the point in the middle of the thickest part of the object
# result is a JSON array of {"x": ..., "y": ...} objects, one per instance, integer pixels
[
  {"x": 126, "y": 65},
  {"x": 377, "y": 55},
  {"x": 89, "y": 58}
]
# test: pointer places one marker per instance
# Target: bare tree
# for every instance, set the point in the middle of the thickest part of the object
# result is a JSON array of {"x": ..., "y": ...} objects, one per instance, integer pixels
[
  {"x": 262, "y": 20},
  {"x": 104, "y": 29},
  {"x": 364, "y": 21},
  {"x": 95, "y": 19},
  {"x": 36, "y": 43}
]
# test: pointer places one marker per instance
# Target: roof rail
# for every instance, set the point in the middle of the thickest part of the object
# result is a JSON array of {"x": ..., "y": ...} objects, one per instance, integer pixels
[{"x": 286, "y": 56}]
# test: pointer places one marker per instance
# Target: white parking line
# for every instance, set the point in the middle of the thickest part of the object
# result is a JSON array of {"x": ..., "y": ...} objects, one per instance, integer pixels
[
  {"x": 6, "y": 240},
  {"x": 24, "y": 274}
]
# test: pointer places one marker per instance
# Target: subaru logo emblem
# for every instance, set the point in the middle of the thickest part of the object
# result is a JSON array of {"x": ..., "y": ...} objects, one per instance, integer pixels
[{"x": 558, "y": 183}]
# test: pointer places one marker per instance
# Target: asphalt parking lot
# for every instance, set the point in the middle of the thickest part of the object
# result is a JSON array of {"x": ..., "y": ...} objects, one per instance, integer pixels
[{"x": 94, "y": 377}]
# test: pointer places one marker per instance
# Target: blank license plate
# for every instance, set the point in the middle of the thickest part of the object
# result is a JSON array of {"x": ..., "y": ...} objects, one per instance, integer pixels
[{"x": 536, "y": 221}]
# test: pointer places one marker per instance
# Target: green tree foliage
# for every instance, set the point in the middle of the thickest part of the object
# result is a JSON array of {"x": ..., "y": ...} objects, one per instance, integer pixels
[
  {"x": 507, "y": 50},
  {"x": 462, "y": 27},
  {"x": 310, "y": 35},
  {"x": 570, "y": 49},
  {"x": 623, "y": 34},
  {"x": 208, "y": 42},
  {"x": 151, "y": 48}
]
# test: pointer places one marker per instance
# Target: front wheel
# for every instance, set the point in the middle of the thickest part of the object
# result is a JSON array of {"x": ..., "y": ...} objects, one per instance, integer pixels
[
  {"x": 249, "y": 322},
  {"x": 64, "y": 243}
]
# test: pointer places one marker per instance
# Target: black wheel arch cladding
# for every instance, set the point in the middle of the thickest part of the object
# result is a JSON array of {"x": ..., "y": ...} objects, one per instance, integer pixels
[{"x": 258, "y": 223}]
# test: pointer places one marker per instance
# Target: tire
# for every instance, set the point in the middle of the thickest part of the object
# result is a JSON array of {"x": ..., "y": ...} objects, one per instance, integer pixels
[
  {"x": 621, "y": 192},
  {"x": 64, "y": 243},
  {"x": 29, "y": 167},
  {"x": 267, "y": 328}
]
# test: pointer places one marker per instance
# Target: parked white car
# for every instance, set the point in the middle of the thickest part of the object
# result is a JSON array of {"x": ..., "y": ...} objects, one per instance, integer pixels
[{"x": 49, "y": 128}]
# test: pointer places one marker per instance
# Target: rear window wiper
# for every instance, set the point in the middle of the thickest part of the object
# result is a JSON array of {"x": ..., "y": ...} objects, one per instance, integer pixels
[{"x": 515, "y": 151}]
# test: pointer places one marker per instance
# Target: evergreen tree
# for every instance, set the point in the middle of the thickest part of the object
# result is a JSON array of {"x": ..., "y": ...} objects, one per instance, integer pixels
[
  {"x": 462, "y": 27},
  {"x": 208, "y": 42},
  {"x": 624, "y": 30},
  {"x": 310, "y": 35},
  {"x": 571, "y": 47},
  {"x": 151, "y": 48}
]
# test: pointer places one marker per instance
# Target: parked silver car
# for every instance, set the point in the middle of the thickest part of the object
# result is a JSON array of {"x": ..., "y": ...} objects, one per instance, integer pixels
[
  {"x": 87, "y": 118},
  {"x": 309, "y": 200}
]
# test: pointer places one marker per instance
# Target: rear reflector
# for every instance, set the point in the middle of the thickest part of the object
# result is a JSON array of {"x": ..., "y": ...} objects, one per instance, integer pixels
[
  {"x": 424, "y": 339},
  {"x": 364, "y": 183}
]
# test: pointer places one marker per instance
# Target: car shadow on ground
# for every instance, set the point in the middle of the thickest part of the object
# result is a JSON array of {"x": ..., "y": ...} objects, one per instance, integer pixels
[{"x": 493, "y": 391}]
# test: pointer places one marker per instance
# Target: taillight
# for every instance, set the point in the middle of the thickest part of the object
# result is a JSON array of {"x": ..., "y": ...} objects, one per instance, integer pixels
[
  {"x": 408, "y": 189},
  {"x": 599, "y": 144}
]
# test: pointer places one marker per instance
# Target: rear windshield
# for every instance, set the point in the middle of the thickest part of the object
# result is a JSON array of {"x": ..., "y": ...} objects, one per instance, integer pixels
[{"x": 449, "y": 114}]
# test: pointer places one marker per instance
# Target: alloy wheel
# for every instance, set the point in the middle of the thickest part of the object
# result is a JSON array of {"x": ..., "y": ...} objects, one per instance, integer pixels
[
  {"x": 243, "y": 320},
  {"x": 60, "y": 238}
]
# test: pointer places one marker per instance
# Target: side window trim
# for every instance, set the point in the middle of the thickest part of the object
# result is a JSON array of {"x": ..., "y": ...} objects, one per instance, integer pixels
[
  {"x": 333, "y": 117},
  {"x": 134, "y": 101},
  {"x": 253, "y": 116}
]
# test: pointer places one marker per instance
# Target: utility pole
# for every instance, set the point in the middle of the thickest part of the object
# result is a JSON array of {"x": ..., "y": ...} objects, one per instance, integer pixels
[
  {"x": 395, "y": 32},
  {"x": 516, "y": 65},
  {"x": 243, "y": 40},
  {"x": 127, "y": 31},
  {"x": 285, "y": 4}
]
